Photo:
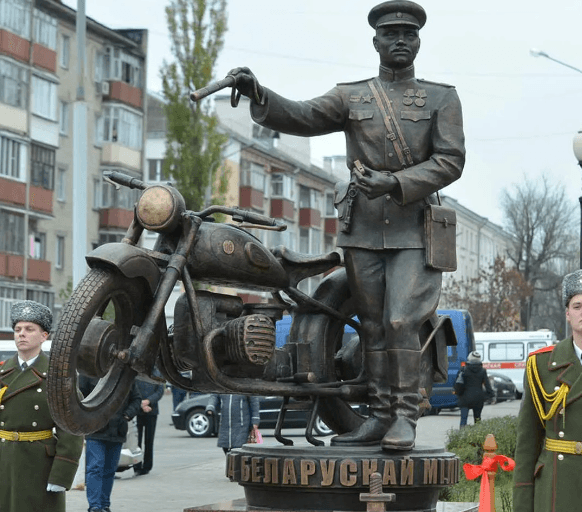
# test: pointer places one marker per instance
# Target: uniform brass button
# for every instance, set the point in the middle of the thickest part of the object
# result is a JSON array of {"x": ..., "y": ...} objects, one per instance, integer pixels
[
  {"x": 1, "y": 407},
  {"x": 388, "y": 197},
  {"x": 3, "y": 440},
  {"x": 39, "y": 390},
  {"x": 556, "y": 388},
  {"x": 554, "y": 363},
  {"x": 390, "y": 154},
  {"x": 44, "y": 374},
  {"x": 1, "y": 423},
  {"x": 387, "y": 221},
  {"x": 36, "y": 407},
  {"x": 560, "y": 457},
  {"x": 560, "y": 434},
  {"x": 34, "y": 423}
]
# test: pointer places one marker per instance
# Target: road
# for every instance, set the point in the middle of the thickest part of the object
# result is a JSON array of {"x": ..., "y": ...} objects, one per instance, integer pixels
[{"x": 189, "y": 472}]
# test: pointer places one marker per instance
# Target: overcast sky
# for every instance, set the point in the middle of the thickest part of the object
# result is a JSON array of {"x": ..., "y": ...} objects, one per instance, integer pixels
[{"x": 520, "y": 112}]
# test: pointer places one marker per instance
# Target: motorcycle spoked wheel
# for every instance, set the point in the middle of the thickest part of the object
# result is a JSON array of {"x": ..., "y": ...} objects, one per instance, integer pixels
[{"x": 115, "y": 303}]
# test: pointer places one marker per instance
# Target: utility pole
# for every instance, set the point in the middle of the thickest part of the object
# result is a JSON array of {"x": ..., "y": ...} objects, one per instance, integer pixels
[{"x": 80, "y": 154}]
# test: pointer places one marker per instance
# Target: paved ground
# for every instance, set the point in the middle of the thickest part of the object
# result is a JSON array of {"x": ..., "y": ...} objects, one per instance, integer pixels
[{"x": 190, "y": 472}]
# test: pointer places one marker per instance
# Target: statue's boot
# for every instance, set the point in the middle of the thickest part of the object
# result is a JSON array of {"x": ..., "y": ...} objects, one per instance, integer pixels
[
  {"x": 404, "y": 379},
  {"x": 372, "y": 430}
]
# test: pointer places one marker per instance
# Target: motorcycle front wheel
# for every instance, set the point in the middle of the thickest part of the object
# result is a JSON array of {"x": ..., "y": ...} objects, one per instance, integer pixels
[{"x": 95, "y": 326}]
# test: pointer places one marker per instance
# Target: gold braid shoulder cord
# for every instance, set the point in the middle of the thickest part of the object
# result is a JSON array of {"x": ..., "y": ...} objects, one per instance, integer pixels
[{"x": 557, "y": 398}]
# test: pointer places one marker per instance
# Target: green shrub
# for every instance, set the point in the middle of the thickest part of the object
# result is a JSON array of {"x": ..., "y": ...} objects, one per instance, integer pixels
[{"x": 467, "y": 444}]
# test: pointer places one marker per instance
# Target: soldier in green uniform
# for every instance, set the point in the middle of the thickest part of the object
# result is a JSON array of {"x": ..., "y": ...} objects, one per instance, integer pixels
[
  {"x": 407, "y": 134},
  {"x": 38, "y": 460},
  {"x": 549, "y": 436}
]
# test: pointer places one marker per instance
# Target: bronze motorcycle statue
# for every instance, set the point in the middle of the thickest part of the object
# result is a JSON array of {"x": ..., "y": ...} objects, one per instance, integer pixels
[{"x": 113, "y": 326}]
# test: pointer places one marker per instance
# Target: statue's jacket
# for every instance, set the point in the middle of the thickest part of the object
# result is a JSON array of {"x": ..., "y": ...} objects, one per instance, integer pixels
[
  {"x": 27, "y": 466},
  {"x": 430, "y": 119},
  {"x": 544, "y": 479}
]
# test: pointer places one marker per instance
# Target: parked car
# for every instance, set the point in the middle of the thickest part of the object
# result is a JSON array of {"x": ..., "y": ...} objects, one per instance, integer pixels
[
  {"x": 131, "y": 453},
  {"x": 503, "y": 387},
  {"x": 190, "y": 415}
]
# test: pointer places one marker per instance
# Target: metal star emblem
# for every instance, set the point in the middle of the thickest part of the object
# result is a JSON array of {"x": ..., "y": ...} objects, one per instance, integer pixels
[{"x": 367, "y": 98}]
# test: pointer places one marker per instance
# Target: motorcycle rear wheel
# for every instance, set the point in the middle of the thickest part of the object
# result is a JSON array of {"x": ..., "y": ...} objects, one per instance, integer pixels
[{"x": 108, "y": 304}]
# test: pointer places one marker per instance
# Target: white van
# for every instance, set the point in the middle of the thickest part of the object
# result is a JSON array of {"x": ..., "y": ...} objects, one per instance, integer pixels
[{"x": 506, "y": 352}]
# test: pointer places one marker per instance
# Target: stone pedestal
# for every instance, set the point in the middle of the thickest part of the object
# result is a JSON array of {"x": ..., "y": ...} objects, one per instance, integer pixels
[{"x": 332, "y": 478}]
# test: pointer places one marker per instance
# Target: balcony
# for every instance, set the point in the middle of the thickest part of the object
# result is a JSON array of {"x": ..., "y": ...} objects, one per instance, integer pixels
[
  {"x": 115, "y": 154},
  {"x": 38, "y": 270},
  {"x": 44, "y": 57},
  {"x": 331, "y": 226},
  {"x": 15, "y": 46},
  {"x": 250, "y": 198},
  {"x": 128, "y": 94},
  {"x": 282, "y": 209},
  {"x": 11, "y": 265},
  {"x": 308, "y": 217},
  {"x": 12, "y": 192},
  {"x": 117, "y": 218},
  {"x": 40, "y": 199}
]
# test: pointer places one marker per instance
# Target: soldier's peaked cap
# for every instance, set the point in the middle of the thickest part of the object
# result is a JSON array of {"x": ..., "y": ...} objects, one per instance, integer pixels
[
  {"x": 572, "y": 285},
  {"x": 397, "y": 12}
]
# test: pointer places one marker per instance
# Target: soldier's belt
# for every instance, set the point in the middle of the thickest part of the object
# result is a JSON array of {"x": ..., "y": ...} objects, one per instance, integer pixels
[
  {"x": 557, "y": 445},
  {"x": 26, "y": 436}
]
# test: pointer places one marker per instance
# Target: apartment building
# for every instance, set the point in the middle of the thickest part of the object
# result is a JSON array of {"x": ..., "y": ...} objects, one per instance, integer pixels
[{"x": 38, "y": 89}]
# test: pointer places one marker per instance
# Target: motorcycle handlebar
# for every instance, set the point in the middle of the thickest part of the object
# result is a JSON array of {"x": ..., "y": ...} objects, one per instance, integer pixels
[
  {"x": 240, "y": 215},
  {"x": 125, "y": 180}
]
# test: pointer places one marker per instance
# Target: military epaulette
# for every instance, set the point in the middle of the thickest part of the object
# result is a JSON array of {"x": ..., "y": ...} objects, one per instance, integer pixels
[
  {"x": 549, "y": 348},
  {"x": 356, "y": 82},
  {"x": 448, "y": 86}
]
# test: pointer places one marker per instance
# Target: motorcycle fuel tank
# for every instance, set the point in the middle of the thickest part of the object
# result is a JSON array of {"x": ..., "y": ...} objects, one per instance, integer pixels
[{"x": 227, "y": 255}]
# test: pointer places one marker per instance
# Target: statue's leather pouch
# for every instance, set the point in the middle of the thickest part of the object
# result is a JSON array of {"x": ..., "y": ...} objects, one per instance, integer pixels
[{"x": 440, "y": 227}]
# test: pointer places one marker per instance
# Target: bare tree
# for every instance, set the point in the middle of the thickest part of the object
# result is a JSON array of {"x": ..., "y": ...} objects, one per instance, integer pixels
[{"x": 541, "y": 220}]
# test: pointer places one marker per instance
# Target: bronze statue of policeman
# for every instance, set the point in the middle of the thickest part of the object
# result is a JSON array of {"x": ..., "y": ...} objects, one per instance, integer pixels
[{"x": 404, "y": 142}]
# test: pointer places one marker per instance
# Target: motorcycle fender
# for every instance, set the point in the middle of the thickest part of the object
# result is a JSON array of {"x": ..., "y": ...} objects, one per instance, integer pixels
[{"x": 131, "y": 261}]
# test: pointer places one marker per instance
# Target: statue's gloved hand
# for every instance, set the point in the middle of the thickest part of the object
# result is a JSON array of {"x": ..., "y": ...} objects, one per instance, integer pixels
[
  {"x": 247, "y": 84},
  {"x": 374, "y": 183}
]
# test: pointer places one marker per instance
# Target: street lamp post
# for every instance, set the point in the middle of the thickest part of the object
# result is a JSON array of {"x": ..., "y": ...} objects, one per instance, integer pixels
[{"x": 577, "y": 139}]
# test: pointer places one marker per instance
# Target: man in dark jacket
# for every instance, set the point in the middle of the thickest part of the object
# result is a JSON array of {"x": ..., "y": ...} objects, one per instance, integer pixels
[
  {"x": 146, "y": 423},
  {"x": 38, "y": 460},
  {"x": 407, "y": 134},
  {"x": 103, "y": 448},
  {"x": 471, "y": 394}
]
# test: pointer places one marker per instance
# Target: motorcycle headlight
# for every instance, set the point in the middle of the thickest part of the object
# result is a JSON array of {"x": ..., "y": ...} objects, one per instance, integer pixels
[{"x": 160, "y": 208}]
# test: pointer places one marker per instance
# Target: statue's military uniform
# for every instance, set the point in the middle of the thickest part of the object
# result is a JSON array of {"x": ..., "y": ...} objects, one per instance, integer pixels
[
  {"x": 412, "y": 129},
  {"x": 430, "y": 120},
  {"x": 549, "y": 438},
  {"x": 27, "y": 466}
]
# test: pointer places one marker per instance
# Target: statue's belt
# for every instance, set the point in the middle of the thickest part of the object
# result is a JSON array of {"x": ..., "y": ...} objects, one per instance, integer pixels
[
  {"x": 559, "y": 445},
  {"x": 39, "y": 435}
]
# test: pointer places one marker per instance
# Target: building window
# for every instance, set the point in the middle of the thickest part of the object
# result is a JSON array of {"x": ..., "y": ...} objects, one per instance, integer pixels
[
  {"x": 44, "y": 98},
  {"x": 45, "y": 29},
  {"x": 121, "y": 66},
  {"x": 15, "y": 16},
  {"x": 315, "y": 243},
  {"x": 8, "y": 296},
  {"x": 309, "y": 198},
  {"x": 61, "y": 187},
  {"x": 330, "y": 210},
  {"x": 11, "y": 232},
  {"x": 304, "y": 240},
  {"x": 121, "y": 125},
  {"x": 253, "y": 175},
  {"x": 283, "y": 185},
  {"x": 64, "y": 118},
  {"x": 37, "y": 246},
  {"x": 13, "y": 84},
  {"x": 12, "y": 158},
  {"x": 109, "y": 238},
  {"x": 156, "y": 170},
  {"x": 107, "y": 196},
  {"x": 42, "y": 167},
  {"x": 46, "y": 298},
  {"x": 65, "y": 50},
  {"x": 60, "y": 252}
]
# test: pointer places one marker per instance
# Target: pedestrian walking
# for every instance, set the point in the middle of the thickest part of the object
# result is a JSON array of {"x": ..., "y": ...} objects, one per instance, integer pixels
[{"x": 473, "y": 388}]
